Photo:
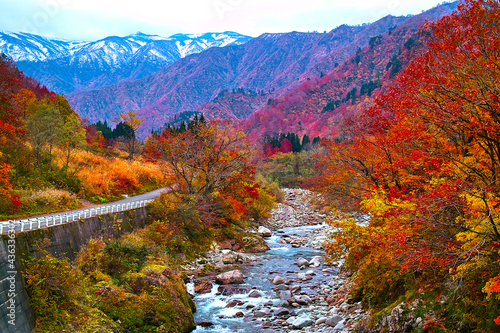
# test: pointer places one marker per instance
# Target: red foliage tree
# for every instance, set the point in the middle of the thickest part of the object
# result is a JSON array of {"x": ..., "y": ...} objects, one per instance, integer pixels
[{"x": 424, "y": 160}]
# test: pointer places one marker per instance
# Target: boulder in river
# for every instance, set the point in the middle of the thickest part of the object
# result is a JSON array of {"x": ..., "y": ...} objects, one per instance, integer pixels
[
  {"x": 265, "y": 232},
  {"x": 264, "y": 312},
  {"x": 303, "y": 277},
  {"x": 304, "y": 300},
  {"x": 231, "y": 258},
  {"x": 278, "y": 280},
  {"x": 253, "y": 243},
  {"x": 232, "y": 289},
  {"x": 315, "y": 261},
  {"x": 202, "y": 286},
  {"x": 339, "y": 327},
  {"x": 285, "y": 294},
  {"x": 299, "y": 322},
  {"x": 205, "y": 323},
  {"x": 333, "y": 320},
  {"x": 282, "y": 312},
  {"x": 233, "y": 303},
  {"x": 301, "y": 262},
  {"x": 231, "y": 277}
]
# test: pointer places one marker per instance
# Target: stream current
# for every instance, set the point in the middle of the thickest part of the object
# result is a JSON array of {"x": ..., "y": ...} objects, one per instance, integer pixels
[{"x": 278, "y": 261}]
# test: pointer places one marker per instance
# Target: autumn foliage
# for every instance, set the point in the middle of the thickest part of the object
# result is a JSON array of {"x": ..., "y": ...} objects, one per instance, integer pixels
[
  {"x": 423, "y": 163},
  {"x": 107, "y": 178},
  {"x": 210, "y": 160}
]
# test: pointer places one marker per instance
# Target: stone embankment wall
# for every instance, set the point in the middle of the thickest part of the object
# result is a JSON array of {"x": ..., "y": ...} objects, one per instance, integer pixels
[{"x": 61, "y": 241}]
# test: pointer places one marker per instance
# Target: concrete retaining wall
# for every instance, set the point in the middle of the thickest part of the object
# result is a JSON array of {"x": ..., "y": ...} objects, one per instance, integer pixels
[{"x": 61, "y": 241}]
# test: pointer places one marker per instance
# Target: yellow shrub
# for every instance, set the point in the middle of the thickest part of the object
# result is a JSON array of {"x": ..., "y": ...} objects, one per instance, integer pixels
[{"x": 108, "y": 178}]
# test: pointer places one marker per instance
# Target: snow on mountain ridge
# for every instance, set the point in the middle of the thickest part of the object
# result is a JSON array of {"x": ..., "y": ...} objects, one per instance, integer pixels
[
  {"x": 29, "y": 47},
  {"x": 67, "y": 66}
]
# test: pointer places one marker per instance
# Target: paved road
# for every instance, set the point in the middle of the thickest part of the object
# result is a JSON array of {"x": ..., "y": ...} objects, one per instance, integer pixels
[{"x": 47, "y": 220}]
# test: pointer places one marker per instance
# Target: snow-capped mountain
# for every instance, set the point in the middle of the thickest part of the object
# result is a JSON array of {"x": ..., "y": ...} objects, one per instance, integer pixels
[
  {"x": 68, "y": 66},
  {"x": 28, "y": 47}
]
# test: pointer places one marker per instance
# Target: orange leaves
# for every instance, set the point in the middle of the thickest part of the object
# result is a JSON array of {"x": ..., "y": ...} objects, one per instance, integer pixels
[
  {"x": 204, "y": 159},
  {"x": 5, "y": 186},
  {"x": 110, "y": 178},
  {"x": 210, "y": 163},
  {"x": 7, "y": 132}
]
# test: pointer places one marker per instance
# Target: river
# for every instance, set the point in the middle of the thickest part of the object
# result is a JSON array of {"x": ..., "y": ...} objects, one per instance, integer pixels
[{"x": 269, "y": 313}]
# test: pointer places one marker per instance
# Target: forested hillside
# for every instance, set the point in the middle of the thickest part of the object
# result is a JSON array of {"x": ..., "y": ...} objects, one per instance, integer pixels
[
  {"x": 422, "y": 160},
  {"x": 321, "y": 103},
  {"x": 52, "y": 161},
  {"x": 212, "y": 82}
]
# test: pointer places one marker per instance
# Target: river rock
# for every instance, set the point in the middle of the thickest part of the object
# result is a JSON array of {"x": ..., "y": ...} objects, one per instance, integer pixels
[
  {"x": 253, "y": 243},
  {"x": 285, "y": 294},
  {"x": 255, "y": 294},
  {"x": 234, "y": 302},
  {"x": 303, "y": 277},
  {"x": 231, "y": 258},
  {"x": 202, "y": 286},
  {"x": 339, "y": 327},
  {"x": 299, "y": 322},
  {"x": 282, "y": 312},
  {"x": 301, "y": 262},
  {"x": 205, "y": 324},
  {"x": 333, "y": 320},
  {"x": 310, "y": 272},
  {"x": 320, "y": 321},
  {"x": 304, "y": 300},
  {"x": 265, "y": 232},
  {"x": 278, "y": 280},
  {"x": 315, "y": 261},
  {"x": 231, "y": 277},
  {"x": 265, "y": 312},
  {"x": 281, "y": 287},
  {"x": 231, "y": 289}
]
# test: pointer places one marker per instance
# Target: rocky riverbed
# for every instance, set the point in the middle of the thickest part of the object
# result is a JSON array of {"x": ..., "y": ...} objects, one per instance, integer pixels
[{"x": 290, "y": 288}]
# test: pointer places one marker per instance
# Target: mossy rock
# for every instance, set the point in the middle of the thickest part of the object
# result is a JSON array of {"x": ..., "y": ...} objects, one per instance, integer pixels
[{"x": 252, "y": 243}]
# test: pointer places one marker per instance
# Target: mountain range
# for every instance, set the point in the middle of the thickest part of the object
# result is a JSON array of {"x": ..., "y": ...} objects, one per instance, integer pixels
[
  {"x": 68, "y": 66},
  {"x": 267, "y": 76}
]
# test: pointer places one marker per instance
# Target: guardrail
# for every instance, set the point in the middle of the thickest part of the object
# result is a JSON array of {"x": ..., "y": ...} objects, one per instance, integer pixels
[{"x": 48, "y": 221}]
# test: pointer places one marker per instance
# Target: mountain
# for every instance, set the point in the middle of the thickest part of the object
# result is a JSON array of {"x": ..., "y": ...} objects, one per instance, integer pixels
[
  {"x": 33, "y": 48},
  {"x": 68, "y": 66},
  {"x": 270, "y": 66},
  {"x": 319, "y": 106},
  {"x": 109, "y": 77}
]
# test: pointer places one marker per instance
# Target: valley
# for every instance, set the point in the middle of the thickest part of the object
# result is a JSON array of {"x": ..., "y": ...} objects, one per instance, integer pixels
[{"x": 336, "y": 181}]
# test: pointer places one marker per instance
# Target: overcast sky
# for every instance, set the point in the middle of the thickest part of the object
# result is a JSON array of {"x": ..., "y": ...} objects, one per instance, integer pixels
[{"x": 94, "y": 19}]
